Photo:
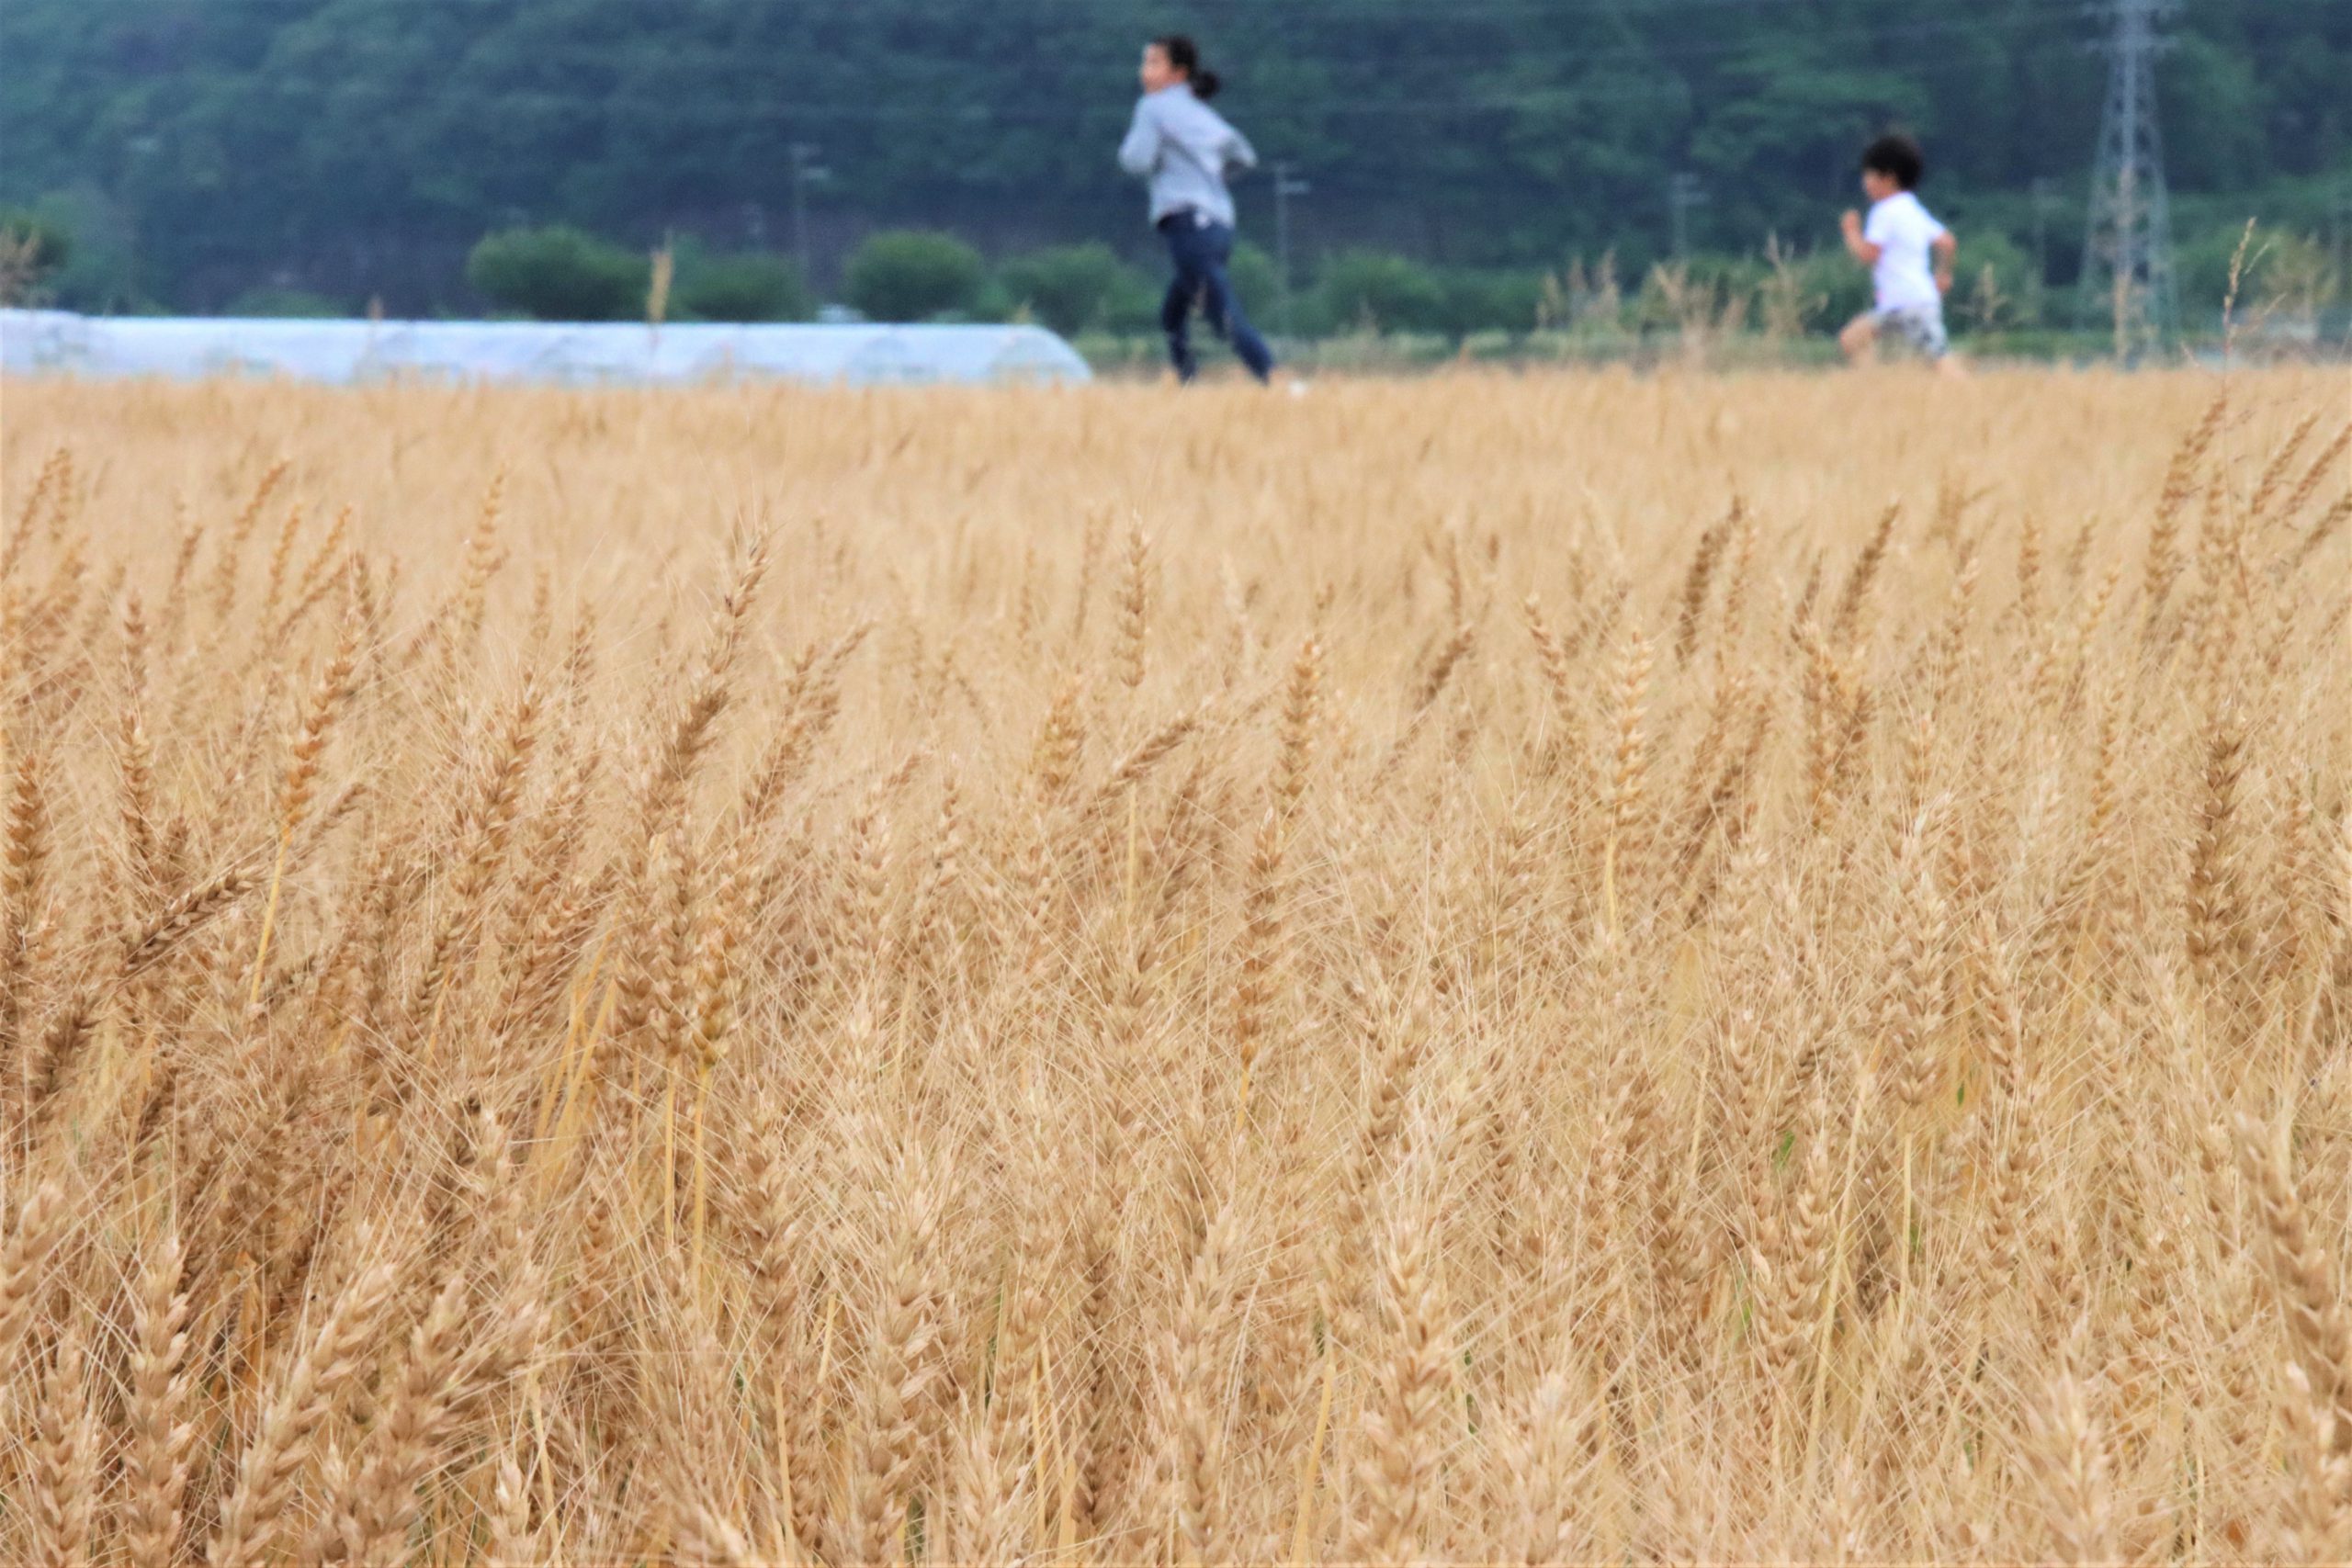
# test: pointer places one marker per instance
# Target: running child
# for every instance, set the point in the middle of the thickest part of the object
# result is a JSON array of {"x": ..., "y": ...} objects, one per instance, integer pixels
[{"x": 1909, "y": 254}]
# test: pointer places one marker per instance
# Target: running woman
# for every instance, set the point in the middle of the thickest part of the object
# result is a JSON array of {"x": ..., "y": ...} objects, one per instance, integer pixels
[{"x": 1182, "y": 150}]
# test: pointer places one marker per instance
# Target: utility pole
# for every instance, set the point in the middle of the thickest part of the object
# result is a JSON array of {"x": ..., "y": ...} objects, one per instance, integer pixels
[
  {"x": 2044, "y": 195},
  {"x": 1287, "y": 186},
  {"x": 805, "y": 171},
  {"x": 1683, "y": 192},
  {"x": 2127, "y": 247}
]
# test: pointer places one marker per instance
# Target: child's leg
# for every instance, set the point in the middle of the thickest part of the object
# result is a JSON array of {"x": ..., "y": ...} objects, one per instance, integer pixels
[
  {"x": 1937, "y": 346},
  {"x": 1859, "y": 339}
]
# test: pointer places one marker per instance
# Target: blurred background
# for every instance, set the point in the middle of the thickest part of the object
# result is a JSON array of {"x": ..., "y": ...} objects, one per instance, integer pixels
[{"x": 1498, "y": 177}]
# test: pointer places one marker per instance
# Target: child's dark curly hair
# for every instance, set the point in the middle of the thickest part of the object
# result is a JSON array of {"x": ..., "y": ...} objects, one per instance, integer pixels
[{"x": 1896, "y": 157}]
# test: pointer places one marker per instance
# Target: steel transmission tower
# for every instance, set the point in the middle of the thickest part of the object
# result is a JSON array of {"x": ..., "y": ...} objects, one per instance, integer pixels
[{"x": 2127, "y": 253}]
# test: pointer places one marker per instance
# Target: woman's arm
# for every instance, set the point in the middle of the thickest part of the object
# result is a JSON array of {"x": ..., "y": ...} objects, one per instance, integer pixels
[
  {"x": 1238, "y": 153},
  {"x": 1946, "y": 246},
  {"x": 1139, "y": 154}
]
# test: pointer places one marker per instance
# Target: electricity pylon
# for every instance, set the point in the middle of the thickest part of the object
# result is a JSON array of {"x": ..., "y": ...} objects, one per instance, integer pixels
[{"x": 2127, "y": 252}]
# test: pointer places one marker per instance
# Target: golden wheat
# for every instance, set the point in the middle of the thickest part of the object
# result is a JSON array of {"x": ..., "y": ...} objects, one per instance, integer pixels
[{"x": 1565, "y": 968}]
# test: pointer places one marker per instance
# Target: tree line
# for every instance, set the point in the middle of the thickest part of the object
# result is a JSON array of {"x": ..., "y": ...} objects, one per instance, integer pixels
[{"x": 199, "y": 153}]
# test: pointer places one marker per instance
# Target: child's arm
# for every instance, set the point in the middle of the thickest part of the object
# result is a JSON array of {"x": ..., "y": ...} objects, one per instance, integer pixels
[
  {"x": 1860, "y": 249},
  {"x": 1945, "y": 246}
]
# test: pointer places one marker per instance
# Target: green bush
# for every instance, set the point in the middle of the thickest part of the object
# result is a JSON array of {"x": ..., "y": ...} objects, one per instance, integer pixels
[
  {"x": 270, "y": 302},
  {"x": 1992, "y": 286},
  {"x": 1837, "y": 287},
  {"x": 1121, "y": 352},
  {"x": 1134, "y": 308},
  {"x": 1811, "y": 291},
  {"x": 559, "y": 275},
  {"x": 100, "y": 273},
  {"x": 2048, "y": 343},
  {"x": 751, "y": 287},
  {"x": 1380, "y": 352},
  {"x": 1492, "y": 342},
  {"x": 1258, "y": 283},
  {"x": 909, "y": 275},
  {"x": 1075, "y": 288},
  {"x": 1487, "y": 300},
  {"x": 31, "y": 248},
  {"x": 2281, "y": 269},
  {"x": 1826, "y": 288},
  {"x": 996, "y": 302},
  {"x": 1370, "y": 289}
]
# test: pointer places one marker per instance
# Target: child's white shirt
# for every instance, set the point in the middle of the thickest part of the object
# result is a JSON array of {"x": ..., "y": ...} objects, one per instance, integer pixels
[{"x": 1905, "y": 274}]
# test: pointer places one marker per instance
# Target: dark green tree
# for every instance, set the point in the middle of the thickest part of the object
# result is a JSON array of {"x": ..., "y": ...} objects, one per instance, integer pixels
[
  {"x": 914, "y": 276},
  {"x": 753, "y": 287},
  {"x": 361, "y": 146},
  {"x": 31, "y": 250},
  {"x": 1375, "y": 290},
  {"x": 284, "y": 304},
  {"x": 559, "y": 275},
  {"x": 1076, "y": 288}
]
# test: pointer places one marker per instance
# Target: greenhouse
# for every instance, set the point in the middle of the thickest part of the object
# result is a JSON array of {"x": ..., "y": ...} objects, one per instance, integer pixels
[{"x": 589, "y": 353}]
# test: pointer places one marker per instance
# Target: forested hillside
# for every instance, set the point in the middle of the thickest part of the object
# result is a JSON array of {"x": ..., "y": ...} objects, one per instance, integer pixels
[{"x": 202, "y": 149}]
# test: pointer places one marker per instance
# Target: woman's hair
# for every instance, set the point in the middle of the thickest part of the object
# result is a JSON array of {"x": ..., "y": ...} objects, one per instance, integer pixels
[{"x": 1184, "y": 55}]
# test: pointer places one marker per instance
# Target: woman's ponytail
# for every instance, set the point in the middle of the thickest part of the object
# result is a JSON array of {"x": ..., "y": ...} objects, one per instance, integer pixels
[{"x": 1184, "y": 55}]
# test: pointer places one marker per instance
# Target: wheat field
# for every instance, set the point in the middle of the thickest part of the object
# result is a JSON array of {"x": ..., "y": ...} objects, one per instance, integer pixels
[{"x": 1561, "y": 968}]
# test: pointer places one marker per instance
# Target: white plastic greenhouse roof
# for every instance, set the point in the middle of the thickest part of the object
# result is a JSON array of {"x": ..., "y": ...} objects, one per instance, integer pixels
[{"x": 58, "y": 342}]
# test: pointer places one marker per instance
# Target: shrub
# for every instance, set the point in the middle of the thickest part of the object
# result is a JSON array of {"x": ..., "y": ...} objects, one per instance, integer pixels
[
  {"x": 751, "y": 286},
  {"x": 1135, "y": 307},
  {"x": 1370, "y": 288},
  {"x": 990, "y": 303},
  {"x": 1493, "y": 342},
  {"x": 2281, "y": 270},
  {"x": 1993, "y": 284},
  {"x": 559, "y": 275},
  {"x": 1487, "y": 300},
  {"x": 31, "y": 248},
  {"x": 1074, "y": 288},
  {"x": 1842, "y": 285},
  {"x": 1258, "y": 282},
  {"x": 271, "y": 303},
  {"x": 910, "y": 275},
  {"x": 99, "y": 273}
]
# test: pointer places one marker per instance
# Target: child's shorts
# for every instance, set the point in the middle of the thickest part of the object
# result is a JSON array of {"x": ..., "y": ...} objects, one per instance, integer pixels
[{"x": 1921, "y": 326}]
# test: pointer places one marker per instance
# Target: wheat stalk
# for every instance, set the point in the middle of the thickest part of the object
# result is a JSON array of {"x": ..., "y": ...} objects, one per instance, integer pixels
[{"x": 1755, "y": 1079}]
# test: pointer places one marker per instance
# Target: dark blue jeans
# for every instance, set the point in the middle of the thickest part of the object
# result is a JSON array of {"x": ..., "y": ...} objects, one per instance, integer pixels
[{"x": 1201, "y": 248}]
